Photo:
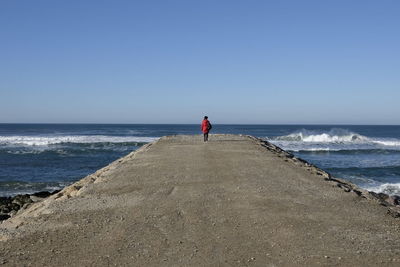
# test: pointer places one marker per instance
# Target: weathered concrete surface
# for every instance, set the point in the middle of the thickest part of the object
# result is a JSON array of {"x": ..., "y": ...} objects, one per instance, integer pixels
[{"x": 182, "y": 202}]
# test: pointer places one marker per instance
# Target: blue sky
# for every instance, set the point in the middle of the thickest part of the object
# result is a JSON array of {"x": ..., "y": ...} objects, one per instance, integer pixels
[{"x": 329, "y": 62}]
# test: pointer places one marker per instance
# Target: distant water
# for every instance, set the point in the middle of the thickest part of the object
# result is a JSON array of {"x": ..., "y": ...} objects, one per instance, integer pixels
[{"x": 35, "y": 157}]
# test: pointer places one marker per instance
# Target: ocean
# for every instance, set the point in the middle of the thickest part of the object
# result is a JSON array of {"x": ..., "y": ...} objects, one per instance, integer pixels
[{"x": 38, "y": 157}]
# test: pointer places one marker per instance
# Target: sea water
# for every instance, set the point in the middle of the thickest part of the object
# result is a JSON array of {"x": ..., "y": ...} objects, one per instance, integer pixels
[{"x": 36, "y": 157}]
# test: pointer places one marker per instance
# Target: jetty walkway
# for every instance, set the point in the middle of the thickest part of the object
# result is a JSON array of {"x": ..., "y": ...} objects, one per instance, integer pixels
[{"x": 234, "y": 201}]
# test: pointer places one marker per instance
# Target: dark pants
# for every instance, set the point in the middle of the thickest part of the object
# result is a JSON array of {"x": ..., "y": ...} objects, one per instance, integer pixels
[{"x": 205, "y": 137}]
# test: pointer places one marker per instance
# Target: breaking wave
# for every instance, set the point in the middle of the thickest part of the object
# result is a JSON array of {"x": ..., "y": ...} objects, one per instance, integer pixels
[
  {"x": 333, "y": 140},
  {"x": 333, "y": 136},
  {"x": 78, "y": 139},
  {"x": 388, "y": 188},
  {"x": 387, "y": 142}
]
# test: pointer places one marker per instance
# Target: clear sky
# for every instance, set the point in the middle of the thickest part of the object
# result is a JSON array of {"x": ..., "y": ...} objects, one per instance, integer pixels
[{"x": 170, "y": 61}]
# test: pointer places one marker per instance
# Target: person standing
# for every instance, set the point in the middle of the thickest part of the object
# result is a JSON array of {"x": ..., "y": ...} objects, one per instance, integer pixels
[{"x": 205, "y": 128}]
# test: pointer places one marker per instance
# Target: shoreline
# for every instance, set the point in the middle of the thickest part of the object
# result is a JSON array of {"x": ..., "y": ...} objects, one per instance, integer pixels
[{"x": 17, "y": 203}]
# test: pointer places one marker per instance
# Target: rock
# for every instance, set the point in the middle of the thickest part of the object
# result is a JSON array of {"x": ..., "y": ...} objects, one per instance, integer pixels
[
  {"x": 17, "y": 202},
  {"x": 21, "y": 199},
  {"x": 26, "y": 205},
  {"x": 4, "y": 217},
  {"x": 4, "y": 200},
  {"x": 386, "y": 199},
  {"x": 55, "y": 192},
  {"x": 35, "y": 198},
  {"x": 345, "y": 187},
  {"x": 4, "y": 204},
  {"x": 5, "y": 209},
  {"x": 12, "y": 213},
  {"x": 394, "y": 200},
  {"x": 10, "y": 204},
  {"x": 380, "y": 196},
  {"x": 42, "y": 194},
  {"x": 394, "y": 213},
  {"x": 14, "y": 206}
]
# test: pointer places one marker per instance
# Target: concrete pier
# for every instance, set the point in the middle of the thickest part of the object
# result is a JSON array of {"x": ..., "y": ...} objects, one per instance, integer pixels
[{"x": 181, "y": 202}]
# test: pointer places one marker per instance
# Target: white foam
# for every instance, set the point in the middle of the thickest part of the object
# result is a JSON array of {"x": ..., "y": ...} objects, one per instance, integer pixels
[
  {"x": 327, "y": 138},
  {"x": 49, "y": 140},
  {"x": 314, "y": 149},
  {"x": 387, "y": 142},
  {"x": 388, "y": 188},
  {"x": 333, "y": 136},
  {"x": 332, "y": 140}
]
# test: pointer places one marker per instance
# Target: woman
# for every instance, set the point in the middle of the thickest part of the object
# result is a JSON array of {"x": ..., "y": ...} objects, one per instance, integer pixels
[{"x": 205, "y": 128}]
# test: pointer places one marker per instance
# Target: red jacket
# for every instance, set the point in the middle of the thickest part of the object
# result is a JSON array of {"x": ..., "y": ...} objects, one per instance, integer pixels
[{"x": 205, "y": 126}]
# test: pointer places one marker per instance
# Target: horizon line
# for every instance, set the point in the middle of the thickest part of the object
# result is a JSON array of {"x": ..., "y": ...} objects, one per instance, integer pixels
[{"x": 114, "y": 123}]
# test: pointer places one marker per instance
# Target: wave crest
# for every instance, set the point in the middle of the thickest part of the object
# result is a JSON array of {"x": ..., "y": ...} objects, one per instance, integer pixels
[
  {"x": 334, "y": 140},
  {"x": 388, "y": 188},
  {"x": 333, "y": 136},
  {"x": 79, "y": 139}
]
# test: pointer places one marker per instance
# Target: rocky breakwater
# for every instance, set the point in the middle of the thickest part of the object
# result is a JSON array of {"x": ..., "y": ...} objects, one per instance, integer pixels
[{"x": 9, "y": 206}]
